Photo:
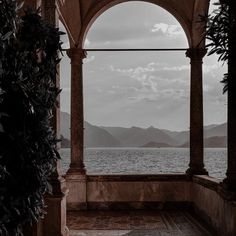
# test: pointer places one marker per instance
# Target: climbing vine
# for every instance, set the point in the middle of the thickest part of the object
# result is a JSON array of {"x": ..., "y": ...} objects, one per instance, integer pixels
[{"x": 28, "y": 94}]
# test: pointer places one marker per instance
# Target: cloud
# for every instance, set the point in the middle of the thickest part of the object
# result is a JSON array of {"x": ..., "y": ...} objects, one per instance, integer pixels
[
  {"x": 168, "y": 30},
  {"x": 210, "y": 68},
  {"x": 156, "y": 76},
  {"x": 66, "y": 45},
  {"x": 177, "y": 68},
  {"x": 87, "y": 43},
  {"x": 89, "y": 59},
  {"x": 150, "y": 67},
  {"x": 66, "y": 90}
]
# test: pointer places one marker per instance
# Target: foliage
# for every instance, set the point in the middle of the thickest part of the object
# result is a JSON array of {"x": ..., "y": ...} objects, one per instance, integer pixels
[
  {"x": 219, "y": 28},
  {"x": 28, "y": 93}
]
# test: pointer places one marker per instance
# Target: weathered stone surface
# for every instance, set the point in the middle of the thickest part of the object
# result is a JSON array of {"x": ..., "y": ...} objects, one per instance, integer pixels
[
  {"x": 212, "y": 207},
  {"x": 138, "y": 191},
  {"x": 135, "y": 223},
  {"x": 77, "y": 199}
]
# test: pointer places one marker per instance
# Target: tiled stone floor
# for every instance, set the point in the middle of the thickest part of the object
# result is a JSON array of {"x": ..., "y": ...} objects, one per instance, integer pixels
[{"x": 135, "y": 223}]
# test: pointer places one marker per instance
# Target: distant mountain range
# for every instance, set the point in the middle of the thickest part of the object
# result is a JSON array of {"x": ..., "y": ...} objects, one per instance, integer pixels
[{"x": 101, "y": 136}]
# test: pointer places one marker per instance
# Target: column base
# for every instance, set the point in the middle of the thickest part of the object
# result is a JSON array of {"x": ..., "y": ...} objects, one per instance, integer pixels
[
  {"x": 33, "y": 230},
  {"x": 55, "y": 219},
  {"x": 227, "y": 191},
  {"x": 76, "y": 171},
  {"x": 192, "y": 171},
  {"x": 229, "y": 183},
  {"x": 77, "y": 184}
]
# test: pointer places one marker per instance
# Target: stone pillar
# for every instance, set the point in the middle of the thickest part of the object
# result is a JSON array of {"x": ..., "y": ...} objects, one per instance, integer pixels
[
  {"x": 54, "y": 222},
  {"x": 76, "y": 175},
  {"x": 229, "y": 182},
  {"x": 196, "y": 165}
]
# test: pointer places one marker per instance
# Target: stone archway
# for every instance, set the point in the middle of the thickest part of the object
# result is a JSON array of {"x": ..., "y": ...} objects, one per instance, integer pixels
[
  {"x": 211, "y": 200},
  {"x": 85, "y": 12},
  {"x": 99, "y": 9},
  {"x": 187, "y": 13}
]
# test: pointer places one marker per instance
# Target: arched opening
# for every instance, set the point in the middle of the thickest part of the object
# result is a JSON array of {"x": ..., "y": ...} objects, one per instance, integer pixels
[
  {"x": 103, "y": 7},
  {"x": 136, "y": 99}
]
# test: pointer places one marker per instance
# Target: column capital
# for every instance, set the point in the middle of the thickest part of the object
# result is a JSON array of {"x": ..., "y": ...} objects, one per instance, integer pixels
[
  {"x": 196, "y": 54},
  {"x": 76, "y": 55}
]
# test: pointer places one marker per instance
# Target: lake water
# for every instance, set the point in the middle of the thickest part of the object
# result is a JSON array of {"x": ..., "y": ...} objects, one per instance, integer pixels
[{"x": 146, "y": 160}]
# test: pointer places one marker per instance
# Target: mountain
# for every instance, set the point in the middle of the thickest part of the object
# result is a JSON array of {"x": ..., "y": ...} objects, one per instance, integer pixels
[
  {"x": 215, "y": 141},
  {"x": 219, "y": 130},
  {"x": 207, "y": 127},
  {"x": 65, "y": 125},
  {"x": 182, "y": 137},
  {"x": 136, "y": 137},
  {"x": 65, "y": 143},
  {"x": 212, "y": 142},
  {"x": 95, "y": 136},
  {"x": 101, "y": 136},
  {"x": 115, "y": 131},
  {"x": 155, "y": 145}
]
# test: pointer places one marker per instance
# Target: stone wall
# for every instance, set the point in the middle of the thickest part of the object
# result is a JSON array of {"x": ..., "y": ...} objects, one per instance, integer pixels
[
  {"x": 201, "y": 194},
  {"x": 212, "y": 206},
  {"x": 138, "y": 191}
]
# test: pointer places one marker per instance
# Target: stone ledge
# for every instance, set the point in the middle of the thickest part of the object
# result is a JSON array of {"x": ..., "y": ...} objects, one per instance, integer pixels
[
  {"x": 217, "y": 186},
  {"x": 138, "y": 178},
  {"x": 207, "y": 181}
]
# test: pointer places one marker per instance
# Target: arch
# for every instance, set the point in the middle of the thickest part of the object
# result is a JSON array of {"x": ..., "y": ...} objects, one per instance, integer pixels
[
  {"x": 65, "y": 36},
  {"x": 68, "y": 32},
  {"x": 98, "y": 9}
]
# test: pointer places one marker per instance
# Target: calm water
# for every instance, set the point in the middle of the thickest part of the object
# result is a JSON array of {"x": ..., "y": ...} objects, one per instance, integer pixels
[{"x": 146, "y": 160}]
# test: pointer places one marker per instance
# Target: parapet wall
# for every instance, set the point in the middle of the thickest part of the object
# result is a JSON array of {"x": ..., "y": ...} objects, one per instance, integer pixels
[
  {"x": 138, "y": 191},
  {"x": 170, "y": 191},
  {"x": 215, "y": 209}
]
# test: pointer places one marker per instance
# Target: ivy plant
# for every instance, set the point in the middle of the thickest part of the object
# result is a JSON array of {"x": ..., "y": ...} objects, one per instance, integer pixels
[{"x": 28, "y": 94}]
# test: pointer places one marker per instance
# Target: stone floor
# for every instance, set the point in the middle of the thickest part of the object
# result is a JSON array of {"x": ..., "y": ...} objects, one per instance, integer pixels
[{"x": 135, "y": 223}]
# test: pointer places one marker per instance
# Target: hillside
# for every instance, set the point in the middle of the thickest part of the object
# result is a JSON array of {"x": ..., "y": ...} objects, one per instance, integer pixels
[
  {"x": 65, "y": 143},
  {"x": 136, "y": 137},
  {"x": 219, "y": 130},
  {"x": 215, "y": 141},
  {"x": 65, "y": 125},
  {"x": 155, "y": 145},
  {"x": 214, "y": 130},
  {"x": 212, "y": 142},
  {"x": 95, "y": 136}
]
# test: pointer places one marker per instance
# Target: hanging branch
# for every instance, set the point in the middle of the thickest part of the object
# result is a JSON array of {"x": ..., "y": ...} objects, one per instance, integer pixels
[{"x": 218, "y": 30}]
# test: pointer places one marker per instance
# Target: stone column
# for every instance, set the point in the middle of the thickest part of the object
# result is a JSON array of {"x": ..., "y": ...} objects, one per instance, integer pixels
[
  {"x": 196, "y": 165},
  {"x": 54, "y": 222},
  {"x": 76, "y": 175}
]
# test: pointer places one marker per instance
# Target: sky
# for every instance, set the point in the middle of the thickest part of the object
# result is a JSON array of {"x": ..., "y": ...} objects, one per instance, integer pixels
[{"x": 142, "y": 88}]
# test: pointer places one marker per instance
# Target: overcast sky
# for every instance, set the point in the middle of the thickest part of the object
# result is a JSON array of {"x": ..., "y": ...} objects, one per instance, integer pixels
[{"x": 142, "y": 88}]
